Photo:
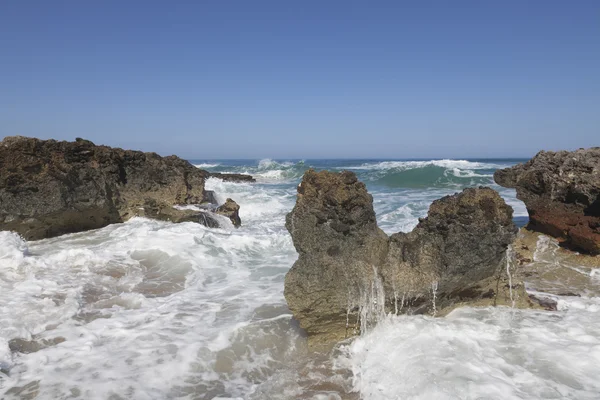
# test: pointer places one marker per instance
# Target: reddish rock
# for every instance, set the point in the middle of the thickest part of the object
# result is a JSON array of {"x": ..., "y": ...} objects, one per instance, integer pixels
[{"x": 562, "y": 193}]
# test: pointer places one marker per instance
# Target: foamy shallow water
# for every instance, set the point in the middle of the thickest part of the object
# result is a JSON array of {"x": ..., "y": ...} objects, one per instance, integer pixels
[
  {"x": 492, "y": 353},
  {"x": 153, "y": 310}
]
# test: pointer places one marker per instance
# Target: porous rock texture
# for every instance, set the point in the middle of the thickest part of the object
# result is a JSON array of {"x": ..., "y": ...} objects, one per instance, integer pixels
[
  {"x": 49, "y": 188},
  {"x": 349, "y": 271},
  {"x": 561, "y": 191}
]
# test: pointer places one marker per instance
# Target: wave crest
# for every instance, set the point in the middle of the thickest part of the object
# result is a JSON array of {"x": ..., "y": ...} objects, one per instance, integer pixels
[{"x": 445, "y": 163}]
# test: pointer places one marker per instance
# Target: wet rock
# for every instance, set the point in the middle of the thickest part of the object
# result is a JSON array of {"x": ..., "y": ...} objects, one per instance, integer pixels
[
  {"x": 162, "y": 212},
  {"x": 553, "y": 269},
  {"x": 49, "y": 188},
  {"x": 28, "y": 391},
  {"x": 210, "y": 197},
  {"x": 232, "y": 177},
  {"x": 547, "y": 303},
  {"x": 523, "y": 260},
  {"x": 460, "y": 245},
  {"x": 562, "y": 193},
  {"x": 230, "y": 210},
  {"x": 335, "y": 232},
  {"x": 348, "y": 269}
]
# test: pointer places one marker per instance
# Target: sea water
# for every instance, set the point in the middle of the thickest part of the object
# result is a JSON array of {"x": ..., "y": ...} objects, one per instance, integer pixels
[{"x": 154, "y": 310}]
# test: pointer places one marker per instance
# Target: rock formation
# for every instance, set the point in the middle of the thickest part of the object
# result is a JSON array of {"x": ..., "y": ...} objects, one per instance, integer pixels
[
  {"x": 230, "y": 210},
  {"x": 231, "y": 177},
  {"x": 49, "y": 188},
  {"x": 349, "y": 272},
  {"x": 562, "y": 193}
]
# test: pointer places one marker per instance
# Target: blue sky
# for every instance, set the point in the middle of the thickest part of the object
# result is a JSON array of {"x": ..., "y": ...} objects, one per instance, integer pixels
[{"x": 305, "y": 79}]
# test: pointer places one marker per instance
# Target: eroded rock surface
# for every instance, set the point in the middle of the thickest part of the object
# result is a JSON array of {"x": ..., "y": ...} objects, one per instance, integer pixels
[
  {"x": 562, "y": 193},
  {"x": 349, "y": 271},
  {"x": 335, "y": 232},
  {"x": 49, "y": 188}
]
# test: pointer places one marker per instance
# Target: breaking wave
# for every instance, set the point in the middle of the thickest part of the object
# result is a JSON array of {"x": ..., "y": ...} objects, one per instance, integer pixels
[{"x": 445, "y": 163}]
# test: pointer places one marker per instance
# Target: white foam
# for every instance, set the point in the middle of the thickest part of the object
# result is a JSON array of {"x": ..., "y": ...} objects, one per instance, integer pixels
[
  {"x": 151, "y": 309},
  {"x": 5, "y": 356},
  {"x": 462, "y": 173},
  {"x": 492, "y": 353},
  {"x": 268, "y": 163},
  {"x": 206, "y": 165}
]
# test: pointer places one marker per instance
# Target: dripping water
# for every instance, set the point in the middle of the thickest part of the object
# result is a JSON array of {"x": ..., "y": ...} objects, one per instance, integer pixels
[
  {"x": 372, "y": 307},
  {"x": 434, "y": 287},
  {"x": 508, "y": 257},
  {"x": 395, "y": 297}
]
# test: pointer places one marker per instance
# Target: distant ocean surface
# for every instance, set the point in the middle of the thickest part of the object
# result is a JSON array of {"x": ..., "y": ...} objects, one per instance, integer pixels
[
  {"x": 402, "y": 189},
  {"x": 153, "y": 310}
]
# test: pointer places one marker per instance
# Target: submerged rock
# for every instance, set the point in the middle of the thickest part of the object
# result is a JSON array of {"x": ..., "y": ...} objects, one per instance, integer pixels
[
  {"x": 562, "y": 193},
  {"x": 349, "y": 272},
  {"x": 49, "y": 188},
  {"x": 154, "y": 210},
  {"x": 31, "y": 346}
]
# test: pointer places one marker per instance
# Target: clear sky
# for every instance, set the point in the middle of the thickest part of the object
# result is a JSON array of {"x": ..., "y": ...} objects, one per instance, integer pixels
[{"x": 304, "y": 79}]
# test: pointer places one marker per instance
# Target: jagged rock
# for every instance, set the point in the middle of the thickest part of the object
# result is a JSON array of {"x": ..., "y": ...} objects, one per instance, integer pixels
[
  {"x": 230, "y": 210},
  {"x": 231, "y": 177},
  {"x": 335, "y": 232},
  {"x": 49, "y": 188},
  {"x": 460, "y": 244},
  {"x": 348, "y": 269},
  {"x": 562, "y": 193}
]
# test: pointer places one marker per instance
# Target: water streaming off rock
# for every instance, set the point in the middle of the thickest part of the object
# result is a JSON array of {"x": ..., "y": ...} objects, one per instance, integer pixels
[{"x": 152, "y": 310}]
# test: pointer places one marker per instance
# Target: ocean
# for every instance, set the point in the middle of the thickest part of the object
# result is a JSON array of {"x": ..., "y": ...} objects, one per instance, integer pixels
[{"x": 153, "y": 310}]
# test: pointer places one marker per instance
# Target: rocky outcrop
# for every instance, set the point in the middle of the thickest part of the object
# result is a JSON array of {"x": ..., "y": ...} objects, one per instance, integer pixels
[
  {"x": 349, "y": 272},
  {"x": 562, "y": 193},
  {"x": 230, "y": 210},
  {"x": 335, "y": 233},
  {"x": 49, "y": 188},
  {"x": 231, "y": 177}
]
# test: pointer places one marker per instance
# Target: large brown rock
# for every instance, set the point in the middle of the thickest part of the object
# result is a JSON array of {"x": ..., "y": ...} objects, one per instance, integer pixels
[
  {"x": 349, "y": 272},
  {"x": 335, "y": 232},
  {"x": 562, "y": 193},
  {"x": 49, "y": 188}
]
